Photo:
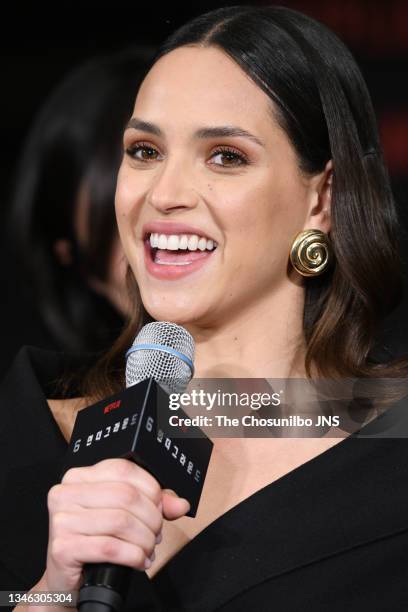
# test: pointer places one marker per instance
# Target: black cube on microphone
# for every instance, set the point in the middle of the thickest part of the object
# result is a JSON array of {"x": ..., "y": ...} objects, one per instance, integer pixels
[{"x": 131, "y": 424}]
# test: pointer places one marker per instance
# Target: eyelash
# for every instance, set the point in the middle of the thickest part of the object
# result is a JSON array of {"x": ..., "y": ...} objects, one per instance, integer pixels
[{"x": 242, "y": 159}]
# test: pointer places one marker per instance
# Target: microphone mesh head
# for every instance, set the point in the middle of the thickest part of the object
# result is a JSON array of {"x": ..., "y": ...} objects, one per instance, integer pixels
[{"x": 152, "y": 355}]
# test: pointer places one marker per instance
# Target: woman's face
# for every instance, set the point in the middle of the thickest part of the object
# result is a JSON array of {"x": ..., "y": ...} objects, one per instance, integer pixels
[{"x": 245, "y": 192}]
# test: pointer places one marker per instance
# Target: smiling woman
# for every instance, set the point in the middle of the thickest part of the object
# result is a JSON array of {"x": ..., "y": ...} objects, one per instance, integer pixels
[
  {"x": 250, "y": 157},
  {"x": 254, "y": 209},
  {"x": 247, "y": 193}
]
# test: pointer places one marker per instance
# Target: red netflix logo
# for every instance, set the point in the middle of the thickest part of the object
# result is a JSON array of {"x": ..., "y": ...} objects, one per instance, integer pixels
[{"x": 112, "y": 406}]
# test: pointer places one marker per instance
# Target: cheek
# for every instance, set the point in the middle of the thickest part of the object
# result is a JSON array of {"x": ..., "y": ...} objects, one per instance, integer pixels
[
  {"x": 256, "y": 215},
  {"x": 128, "y": 197},
  {"x": 281, "y": 210},
  {"x": 118, "y": 264},
  {"x": 268, "y": 219},
  {"x": 125, "y": 210}
]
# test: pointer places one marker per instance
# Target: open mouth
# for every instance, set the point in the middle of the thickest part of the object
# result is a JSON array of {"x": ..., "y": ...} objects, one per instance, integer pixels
[
  {"x": 175, "y": 257},
  {"x": 176, "y": 263}
]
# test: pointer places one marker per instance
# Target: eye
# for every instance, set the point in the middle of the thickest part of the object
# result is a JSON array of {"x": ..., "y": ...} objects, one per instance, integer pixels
[
  {"x": 145, "y": 152},
  {"x": 142, "y": 152},
  {"x": 232, "y": 157}
]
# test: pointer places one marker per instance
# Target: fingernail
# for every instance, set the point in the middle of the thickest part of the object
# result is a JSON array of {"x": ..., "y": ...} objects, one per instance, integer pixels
[
  {"x": 159, "y": 538},
  {"x": 147, "y": 563},
  {"x": 152, "y": 557},
  {"x": 171, "y": 492},
  {"x": 187, "y": 504}
]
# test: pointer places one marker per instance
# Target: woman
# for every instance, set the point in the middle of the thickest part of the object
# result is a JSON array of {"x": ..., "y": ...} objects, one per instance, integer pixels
[
  {"x": 252, "y": 126},
  {"x": 62, "y": 218}
]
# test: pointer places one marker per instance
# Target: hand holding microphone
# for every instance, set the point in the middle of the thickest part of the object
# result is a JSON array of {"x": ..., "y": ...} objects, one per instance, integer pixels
[
  {"x": 109, "y": 512},
  {"x": 106, "y": 515}
]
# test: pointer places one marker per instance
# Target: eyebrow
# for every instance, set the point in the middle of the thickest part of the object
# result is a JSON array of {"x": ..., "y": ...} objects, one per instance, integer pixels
[{"x": 204, "y": 132}]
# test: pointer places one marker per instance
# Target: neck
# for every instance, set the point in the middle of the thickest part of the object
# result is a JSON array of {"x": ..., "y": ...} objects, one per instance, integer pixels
[{"x": 264, "y": 341}]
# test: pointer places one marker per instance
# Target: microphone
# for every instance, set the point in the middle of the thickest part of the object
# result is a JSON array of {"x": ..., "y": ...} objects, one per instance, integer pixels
[{"x": 134, "y": 424}]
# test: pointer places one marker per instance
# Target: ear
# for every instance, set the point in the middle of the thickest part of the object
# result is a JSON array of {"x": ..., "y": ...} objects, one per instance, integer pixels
[{"x": 320, "y": 200}]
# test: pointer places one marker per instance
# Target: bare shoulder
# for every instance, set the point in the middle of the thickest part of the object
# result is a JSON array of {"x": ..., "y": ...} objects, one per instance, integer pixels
[{"x": 65, "y": 411}]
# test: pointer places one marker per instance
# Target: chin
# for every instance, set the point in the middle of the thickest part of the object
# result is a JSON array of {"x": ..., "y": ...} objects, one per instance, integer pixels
[{"x": 180, "y": 314}]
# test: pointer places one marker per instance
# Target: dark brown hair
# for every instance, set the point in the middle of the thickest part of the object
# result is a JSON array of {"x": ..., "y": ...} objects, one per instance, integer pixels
[
  {"x": 323, "y": 105},
  {"x": 71, "y": 144}
]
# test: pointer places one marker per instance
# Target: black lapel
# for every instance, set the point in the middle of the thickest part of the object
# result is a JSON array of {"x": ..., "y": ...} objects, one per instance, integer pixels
[
  {"x": 33, "y": 447},
  {"x": 352, "y": 494}
]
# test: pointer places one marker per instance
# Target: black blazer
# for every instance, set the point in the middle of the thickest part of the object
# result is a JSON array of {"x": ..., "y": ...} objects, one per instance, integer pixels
[{"x": 331, "y": 535}]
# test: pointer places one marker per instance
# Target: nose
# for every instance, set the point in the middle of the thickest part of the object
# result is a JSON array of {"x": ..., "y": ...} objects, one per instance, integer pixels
[{"x": 172, "y": 188}]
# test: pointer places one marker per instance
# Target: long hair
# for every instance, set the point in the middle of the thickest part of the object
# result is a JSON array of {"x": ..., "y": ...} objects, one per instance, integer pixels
[
  {"x": 75, "y": 141},
  {"x": 321, "y": 101}
]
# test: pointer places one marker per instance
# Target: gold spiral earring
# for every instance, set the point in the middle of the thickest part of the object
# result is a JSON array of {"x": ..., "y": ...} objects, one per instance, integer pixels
[{"x": 311, "y": 252}]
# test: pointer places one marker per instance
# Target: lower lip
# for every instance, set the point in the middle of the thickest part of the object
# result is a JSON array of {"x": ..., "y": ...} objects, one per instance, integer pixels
[{"x": 172, "y": 272}]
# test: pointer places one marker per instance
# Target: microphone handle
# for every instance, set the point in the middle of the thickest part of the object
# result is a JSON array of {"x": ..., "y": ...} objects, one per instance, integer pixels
[{"x": 104, "y": 588}]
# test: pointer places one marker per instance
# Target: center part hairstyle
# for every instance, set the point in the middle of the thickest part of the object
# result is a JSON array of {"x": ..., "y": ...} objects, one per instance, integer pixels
[{"x": 320, "y": 100}]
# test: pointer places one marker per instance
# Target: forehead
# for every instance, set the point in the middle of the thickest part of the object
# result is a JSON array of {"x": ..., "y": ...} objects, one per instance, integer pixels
[{"x": 201, "y": 85}]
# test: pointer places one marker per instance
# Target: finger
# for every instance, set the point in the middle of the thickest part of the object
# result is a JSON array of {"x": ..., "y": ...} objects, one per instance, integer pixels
[
  {"x": 73, "y": 552},
  {"x": 116, "y": 470},
  {"x": 173, "y": 506},
  {"x": 112, "y": 495},
  {"x": 120, "y": 524}
]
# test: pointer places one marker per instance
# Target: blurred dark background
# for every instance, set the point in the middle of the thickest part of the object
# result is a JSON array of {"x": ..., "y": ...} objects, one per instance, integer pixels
[{"x": 41, "y": 44}]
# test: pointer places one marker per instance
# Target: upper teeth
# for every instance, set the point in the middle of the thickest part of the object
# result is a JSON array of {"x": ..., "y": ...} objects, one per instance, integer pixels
[{"x": 192, "y": 242}]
